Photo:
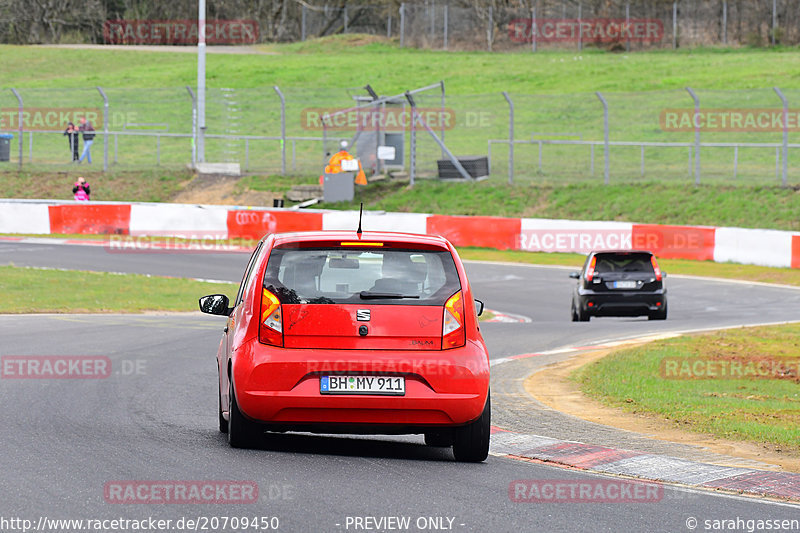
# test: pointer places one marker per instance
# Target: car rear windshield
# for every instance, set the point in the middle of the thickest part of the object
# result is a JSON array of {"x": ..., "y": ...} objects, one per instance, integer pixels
[
  {"x": 335, "y": 275},
  {"x": 627, "y": 262}
]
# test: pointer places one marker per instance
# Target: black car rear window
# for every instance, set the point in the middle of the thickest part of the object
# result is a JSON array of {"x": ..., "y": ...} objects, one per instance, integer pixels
[
  {"x": 628, "y": 262},
  {"x": 336, "y": 275}
]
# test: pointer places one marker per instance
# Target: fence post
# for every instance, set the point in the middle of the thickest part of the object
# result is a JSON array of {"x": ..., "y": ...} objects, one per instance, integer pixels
[
  {"x": 674, "y": 25},
  {"x": 389, "y": 26},
  {"x": 489, "y": 29},
  {"x": 303, "y": 23},
  {"x": 605, "y": 136},
  {"x": 533, "y": 29},
  {"x": 19, "y": 121},
  {"x": 433, "y": 22},
  {"x": 105, "y": 128},
  {"x": 345, "y": 18},
  {"x": 628, "y": 24},
  {"x": 201, "y": 82},
  {"x": 402, "y": 24},
  {"x": 696, "y": 135},
  {"x": 441, "y": 118},
  {"x": 724, "y": 21},
  {"x": 283, "y": 129},
  {"x": 580, "y": 33},
  {"x": 785, "y": 134},
  {"x": 510, "y": 137},
  {"x": 412, "y": 170},
  {"x": 445, "y": 23},
  {"x": 194, "y": 129},
  {"x": 774, "y": 19}
]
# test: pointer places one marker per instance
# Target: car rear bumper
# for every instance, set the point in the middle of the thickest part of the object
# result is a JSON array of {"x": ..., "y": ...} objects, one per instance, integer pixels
[
  {"x": 281, "y": 388},
  {"x": 622, "y": 303}
]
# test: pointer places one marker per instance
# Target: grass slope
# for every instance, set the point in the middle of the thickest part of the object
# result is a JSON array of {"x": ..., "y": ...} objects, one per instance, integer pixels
[
  {"x": 664, "y": 379},
  {"x": 35, "y": 290},
  {"x": 309, "y": 65}
]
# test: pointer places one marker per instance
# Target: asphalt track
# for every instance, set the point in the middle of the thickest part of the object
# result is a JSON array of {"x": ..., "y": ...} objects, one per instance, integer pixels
[{"x": 154, "y": 417}]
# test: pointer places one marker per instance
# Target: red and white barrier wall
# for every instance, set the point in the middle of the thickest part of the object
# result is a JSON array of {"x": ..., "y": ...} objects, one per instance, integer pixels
[{"x": 748, "y": 246}]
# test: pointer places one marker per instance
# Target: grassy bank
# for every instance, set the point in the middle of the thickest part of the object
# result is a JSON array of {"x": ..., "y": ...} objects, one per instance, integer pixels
[
  {"x": 738, "y": 384},
  {"x": 308, "y": 65},
  {"x": 34, "y": 290}
]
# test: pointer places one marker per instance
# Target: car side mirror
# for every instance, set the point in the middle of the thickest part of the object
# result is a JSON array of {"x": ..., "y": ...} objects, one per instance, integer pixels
[
  {"x": 663, "y": 274},
  {"x": 478, "y": 307},
  {"x": 575, "y": 275},
  {"x": 215, "y": 304}
]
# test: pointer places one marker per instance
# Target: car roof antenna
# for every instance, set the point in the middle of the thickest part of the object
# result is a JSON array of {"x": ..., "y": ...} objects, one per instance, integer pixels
[{"x": 360, "y": 210}]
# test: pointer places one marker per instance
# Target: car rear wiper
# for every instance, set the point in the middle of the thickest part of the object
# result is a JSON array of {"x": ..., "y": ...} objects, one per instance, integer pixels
[{"x": 367, "y": 295}]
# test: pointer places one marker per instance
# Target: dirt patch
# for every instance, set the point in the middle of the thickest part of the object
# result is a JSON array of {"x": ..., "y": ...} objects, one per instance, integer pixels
[
  {"x": 221, "y": 190},
  {"x": 552, "y": 387}
]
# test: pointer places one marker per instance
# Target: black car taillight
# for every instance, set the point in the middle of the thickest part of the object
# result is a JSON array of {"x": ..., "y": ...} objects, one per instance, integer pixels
[
  {"x": 590, "y": 269},
  {"x": 655, "y": 267}
]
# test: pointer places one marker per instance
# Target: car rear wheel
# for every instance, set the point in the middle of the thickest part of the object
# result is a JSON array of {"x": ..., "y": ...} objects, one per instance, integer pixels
[
  {"x": 581, "y": 315},
  {"x": 658, "y": 315},
  {"x": 573, "y": 312},
  {"x": 439, "y": 439},
  {"x": 471, "y": 442},
  {"x": 242, "y": 433},
  {"x": 223, "y": 424}
]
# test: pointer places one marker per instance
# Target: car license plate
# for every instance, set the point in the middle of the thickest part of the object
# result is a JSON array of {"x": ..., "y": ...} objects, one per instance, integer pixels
[
  {"x": 624, "y": 284},
  {"x": 388, "y": 385}
]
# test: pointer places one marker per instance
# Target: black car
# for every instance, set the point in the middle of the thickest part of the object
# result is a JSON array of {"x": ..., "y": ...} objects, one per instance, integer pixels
[{"x": 619, "y": 283}]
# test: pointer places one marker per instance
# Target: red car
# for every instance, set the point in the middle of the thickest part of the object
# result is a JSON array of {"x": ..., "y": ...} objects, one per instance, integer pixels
[{"x": 350, "y": 332}]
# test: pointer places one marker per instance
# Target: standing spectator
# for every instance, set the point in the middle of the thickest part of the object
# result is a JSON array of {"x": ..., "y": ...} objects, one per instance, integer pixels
[
  {"x": 88, "y": 138},
  {"x": 81, "y": 190},
  {"x": 72, "y": 136}
]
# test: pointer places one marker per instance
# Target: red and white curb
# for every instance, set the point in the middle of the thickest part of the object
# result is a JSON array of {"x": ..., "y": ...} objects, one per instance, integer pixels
[
  {"x": 509, "y": 318},
  {"x": 604, "y": 460}
]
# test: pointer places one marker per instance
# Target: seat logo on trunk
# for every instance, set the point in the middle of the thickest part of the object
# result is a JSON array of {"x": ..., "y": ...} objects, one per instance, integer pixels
[{"x": 362, "y": 315}]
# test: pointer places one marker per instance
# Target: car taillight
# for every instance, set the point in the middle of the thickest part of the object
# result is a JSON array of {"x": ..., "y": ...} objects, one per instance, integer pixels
[
  {"x": 590, "y": 269},
  {"x": 655, "y": 267},
  {"x": 270, "y": 326},
  {"x": 453, "y": 332}
]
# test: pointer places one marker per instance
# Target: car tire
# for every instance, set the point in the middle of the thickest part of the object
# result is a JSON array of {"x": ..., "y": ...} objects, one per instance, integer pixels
[
  {"x": 223, "y": 424},
  {"x": 471, "y": 442},
  {"x": 583, "y": 316},
  {"x": 439, "y": 439},
  {"x": 573, "y": 313},
  {"x": 242, "y": 433},
  {"x": 658, "y": 315}
]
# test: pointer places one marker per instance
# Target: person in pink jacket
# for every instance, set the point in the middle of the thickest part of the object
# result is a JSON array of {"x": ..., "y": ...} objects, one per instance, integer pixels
[{"x": 81, "y": 190}]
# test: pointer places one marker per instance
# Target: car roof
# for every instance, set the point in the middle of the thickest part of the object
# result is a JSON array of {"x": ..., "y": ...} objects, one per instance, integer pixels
[
  {"x": 595, "y": 252},
  {"x": 366, "y": 236}
]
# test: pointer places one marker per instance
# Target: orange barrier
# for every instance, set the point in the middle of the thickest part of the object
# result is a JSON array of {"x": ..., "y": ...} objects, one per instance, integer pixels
[
  {"x": 795, "y": 251},
  {"x": 252, "y": 224},
  {"x": 485, "y": 232},
  {"x": 674, "y": 242},
  {"x": 90, "y": 219}
]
